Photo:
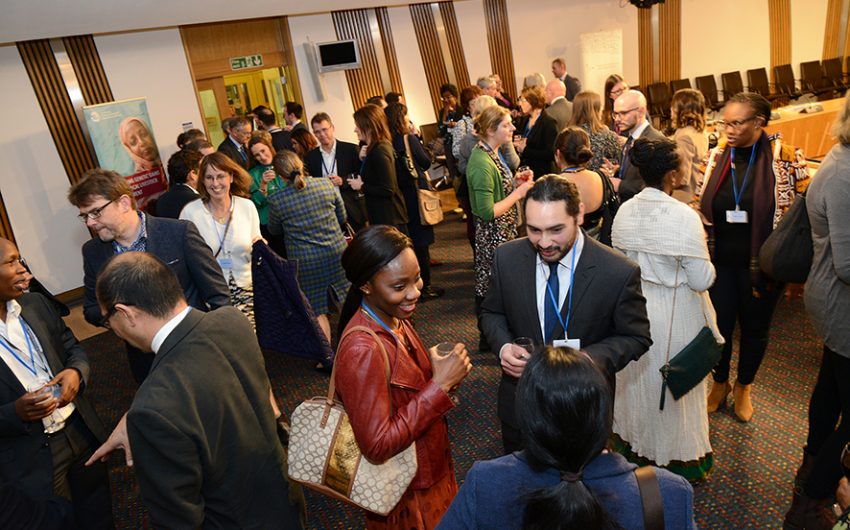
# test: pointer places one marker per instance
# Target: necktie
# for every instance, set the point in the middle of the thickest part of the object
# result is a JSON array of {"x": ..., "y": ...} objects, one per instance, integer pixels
[
  {"x": 550, "y": 312},
  {"x": 242, "y": 154},
  {"x": 625, "y": 162}
]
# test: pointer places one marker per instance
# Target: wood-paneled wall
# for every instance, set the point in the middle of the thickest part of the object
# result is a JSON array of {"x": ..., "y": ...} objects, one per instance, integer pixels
[
  {"x": 645, "y": 58},
  {"x": 364, "y": 82},
  {"x": 780, "y": 32},
  {"x": 499, "y": 43},
  {"x": 670, "y": 40},
  {"x": 210, "y": 46},
  {"x": 89, "y": 70},
  {"x": 447, "y": 11},
  {"x": 386, "y": 32},
  {"x": 833, "y": 27},
  {"x": 429, "y": 48},
  {"x": 5, "y": 223}
]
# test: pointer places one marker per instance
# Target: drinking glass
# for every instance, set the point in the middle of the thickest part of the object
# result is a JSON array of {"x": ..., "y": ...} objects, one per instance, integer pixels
[
  {"x": 444, "y": 349},
  {"x": 527, "y": 344},
  {"x": 41, "y": 388}
]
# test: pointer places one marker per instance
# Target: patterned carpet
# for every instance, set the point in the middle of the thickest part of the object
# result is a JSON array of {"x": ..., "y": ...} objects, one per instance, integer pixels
[{"x": 755, "y": 462}]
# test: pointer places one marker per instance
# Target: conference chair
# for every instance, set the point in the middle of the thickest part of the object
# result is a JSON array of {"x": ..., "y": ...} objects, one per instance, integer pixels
[
  {"x": 757, "y": 82},
  {"x": 812, "y": 79},
  {"x": 708, "y": 86},
  {"x": 658, "y": 98},
  {"x": 679, "y": 84},
  {"x": 783, "y": 76},
  {"x": 832, "y": 71},
  {"x": 732, "y": 84}
]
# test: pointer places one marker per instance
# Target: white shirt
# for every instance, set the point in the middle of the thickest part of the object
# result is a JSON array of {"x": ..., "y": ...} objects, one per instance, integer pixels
[
  {"x": 541, "y": 277},
  {"x": 166, "y": 330},
  {"x": 637, "y": 131},
  {"x": 12, "y": 334},
  {"x": 329, "y": 161}
]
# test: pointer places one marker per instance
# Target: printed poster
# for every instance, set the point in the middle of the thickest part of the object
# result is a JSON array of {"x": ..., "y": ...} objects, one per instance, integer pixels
[{"x": 122, "y": 136}]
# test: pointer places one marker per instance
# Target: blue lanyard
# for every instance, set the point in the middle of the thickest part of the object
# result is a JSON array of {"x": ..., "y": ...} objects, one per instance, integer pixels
[
  {"x": 378, "y": 320},
  {"x": 527, "y": 129},
  {"x": 498, "y": 153},
  {"x": 739, "y": 194},
  {"x": 30, "y": 368},
  {"x": 332, "y": 170},
  {"x": 565, "y": 323}
]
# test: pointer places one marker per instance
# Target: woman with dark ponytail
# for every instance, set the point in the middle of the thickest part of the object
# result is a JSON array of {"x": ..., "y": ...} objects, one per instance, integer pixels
[
  {"x": 388, "y": 416},
  {"x": 564, "y": 478}
]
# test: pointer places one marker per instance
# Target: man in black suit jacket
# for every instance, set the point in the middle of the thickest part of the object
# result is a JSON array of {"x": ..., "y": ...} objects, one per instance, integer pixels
[
  {"x": 201, "y": 427},
  {"x": 235, "y": 146},
  {"x": 572, "y": 84},
  {"x": 267, "y": 121},
  {"x": 45, "y": 442},
  {"x": 106, "y": 205},
  {"x": 183, "y": 181},
  {"x": 337, "y": 160},
  {"x": 631, "y": 118},
  {"x": 598, "y": 292}
]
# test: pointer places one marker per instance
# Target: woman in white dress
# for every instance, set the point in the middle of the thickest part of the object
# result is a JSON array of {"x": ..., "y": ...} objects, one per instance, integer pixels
[{"x": 662, "y": 235}]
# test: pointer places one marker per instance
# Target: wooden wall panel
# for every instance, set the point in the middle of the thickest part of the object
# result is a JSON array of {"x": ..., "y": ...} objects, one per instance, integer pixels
[
  {"x": 670, "y": 40},
  {"x": 832, "y": 30},
  {"x": 389, "y": 48},
  {"x": 364, "y": 82},
  {"x": 429, "y": 48},
  {"x": 52, "y": 96},
  {"x": 89, "y": 70},
  {"x": 5, "y": 224},
  {"x": 212, "y": 45},
  {"x": 447, "y": 11},
  {"x": 645, "y": 58},
  {"x": 499, "y": 44},
  {"x": 780, "y": 32}
]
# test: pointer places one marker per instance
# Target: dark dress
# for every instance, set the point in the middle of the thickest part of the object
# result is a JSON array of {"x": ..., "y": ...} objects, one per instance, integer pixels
[
  {"x": 384, "y": 201},
  {"x": 420, "y": 234},
  {"x": 539, "y": 152}
]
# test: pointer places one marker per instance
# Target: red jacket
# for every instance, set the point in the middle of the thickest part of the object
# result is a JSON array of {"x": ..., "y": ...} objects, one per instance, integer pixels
[{"x": 386, "y": 420}]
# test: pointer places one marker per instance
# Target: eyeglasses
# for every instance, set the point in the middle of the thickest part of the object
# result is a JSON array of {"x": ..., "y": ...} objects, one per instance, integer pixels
[
  {"x": 104, "y": 321},
  {"x": 617, "y": 92},
  {"x": 96, "y": 212},
  {"x": 622, "y": 113},
  {"x": 737, "y": 124}
]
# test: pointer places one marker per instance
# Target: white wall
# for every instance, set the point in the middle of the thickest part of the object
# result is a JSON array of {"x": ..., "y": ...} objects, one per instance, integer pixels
[
  {"x": 545, "y": 29},
  {"x": 153, "y": 65},
  {"x": 473, "y": 36},
  {"x": 34, "y": 185},
  {"x": 808, "y": 24},
  {"x": 326, "y": 92},
  {"x": 410, "y": 66}
]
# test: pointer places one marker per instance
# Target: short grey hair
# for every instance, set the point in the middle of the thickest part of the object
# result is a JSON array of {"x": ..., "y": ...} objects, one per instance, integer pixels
[{"x": 486, "y": 82}]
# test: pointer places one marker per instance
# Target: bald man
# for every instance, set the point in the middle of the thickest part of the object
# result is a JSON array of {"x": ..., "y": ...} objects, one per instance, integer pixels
[
  {"x": 557, "y": 105},
  {"x": 631, "y": 119}
]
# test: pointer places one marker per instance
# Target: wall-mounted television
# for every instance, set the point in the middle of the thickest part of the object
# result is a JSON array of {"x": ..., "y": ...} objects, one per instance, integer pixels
[{"x": 337, "y": 55}]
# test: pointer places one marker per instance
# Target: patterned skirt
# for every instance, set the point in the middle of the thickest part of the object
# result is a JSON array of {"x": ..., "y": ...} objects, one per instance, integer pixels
[
  {"x": 488, "y": 236},
  {"x": 242, "y": 299},
  {"x": 418, "y": 509}
]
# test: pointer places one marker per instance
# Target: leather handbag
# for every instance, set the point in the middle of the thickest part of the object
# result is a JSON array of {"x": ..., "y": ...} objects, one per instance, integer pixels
[
  {"x": 430, "y": 205},
  {"x": 787, "y": 253},
  {"x": 693, "y": 363},
  {"x": 324, "y": 456}
]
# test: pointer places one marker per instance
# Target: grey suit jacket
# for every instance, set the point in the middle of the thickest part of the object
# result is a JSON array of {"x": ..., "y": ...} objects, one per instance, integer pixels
[
  {"x": 181, "y": 247},
  {"x": 25, "y": 458},
  {"x": 561, "y": 111},
  {"x": 632, "y": 182},
  {"x": 203, "y": 432},
  {"x": 608, "y": 313}
]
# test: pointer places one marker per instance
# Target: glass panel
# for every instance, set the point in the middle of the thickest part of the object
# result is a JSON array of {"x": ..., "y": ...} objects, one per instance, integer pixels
[
  {"x": 212, "y": 118},
  {"x": 238, "y": 98}
]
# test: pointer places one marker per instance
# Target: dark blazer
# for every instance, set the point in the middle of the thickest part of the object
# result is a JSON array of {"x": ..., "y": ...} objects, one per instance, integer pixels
[
  {"x": 384, "y": 202},
  {"x": 181, "y": 247},
  {"x": 203, "y": 432},
  {"x": 573, "y": 86},
  {"x": 561, "y": 111},
  {"x": 608, "y": 312},
  {"x": 171, "y": 203},
  {"x": 281, "y": 140},
  {"x": 229, "y": 148},
  {"x": 347, "y": 163},
  {"x": 632, "y": 182},
  {"x": 25, "y": 458},
  {"x": 539, "y": 152}
]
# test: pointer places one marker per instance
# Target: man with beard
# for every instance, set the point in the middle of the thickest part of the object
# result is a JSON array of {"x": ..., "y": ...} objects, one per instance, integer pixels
[{"x": 597, "y": 289}]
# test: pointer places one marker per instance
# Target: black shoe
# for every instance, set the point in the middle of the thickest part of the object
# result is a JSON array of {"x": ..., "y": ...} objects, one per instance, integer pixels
[{"x": 431, "y": 293}]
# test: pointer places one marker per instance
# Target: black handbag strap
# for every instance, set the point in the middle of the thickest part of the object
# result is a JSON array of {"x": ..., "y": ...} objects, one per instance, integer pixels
[
  {"x": 650, "y": 498},
  {"x": 666, "y": 368}
]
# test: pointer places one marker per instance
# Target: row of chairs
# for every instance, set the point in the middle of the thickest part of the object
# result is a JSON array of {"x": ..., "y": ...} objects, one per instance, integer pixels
[{"x": 824, "y": 80}]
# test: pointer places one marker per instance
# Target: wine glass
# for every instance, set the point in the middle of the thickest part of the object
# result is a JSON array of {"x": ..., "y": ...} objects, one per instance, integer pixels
[
  {"x": 444, "y": 349},
  {"x": 45, "y": 391}
]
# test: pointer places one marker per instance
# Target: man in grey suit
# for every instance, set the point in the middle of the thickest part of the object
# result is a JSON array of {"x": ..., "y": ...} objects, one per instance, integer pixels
[
  {"x": 597, "y": 289},
  {"x": 631, "y": 118},
  {"x": 107, "y": 207},
  {"x": 558, "y": 107},
  {"x": 201, "y": 427}
]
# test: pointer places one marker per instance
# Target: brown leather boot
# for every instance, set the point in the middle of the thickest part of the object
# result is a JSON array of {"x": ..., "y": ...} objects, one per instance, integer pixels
[
  {"x": 807, "y": 513},
  {"x": 717, "y": 396},
  {"x": 743, "y": 402}
]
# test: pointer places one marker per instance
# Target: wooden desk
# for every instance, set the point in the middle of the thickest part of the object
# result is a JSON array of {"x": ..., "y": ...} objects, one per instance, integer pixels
[{"x": 810, "y": 132}]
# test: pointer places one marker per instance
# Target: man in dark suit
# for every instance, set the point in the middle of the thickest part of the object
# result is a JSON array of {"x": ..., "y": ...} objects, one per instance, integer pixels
[
  {"x": 106, "y": 205},
  {"x": 631, "y": 118},
  {"x": 46, "y": 438},
  {"x": 572, "y": 84},
  {"x": 599, "y": 299},
  {"x": 235, "y": 146},
  {"x": 557, "y": 105},
  {"x": 337, "y": 160},
  {"x": 201, "y": 426},
  {"x": 267, "y": 121},
  {"x": 183, "y": 183},
  {"x": 292, "y": 112}
]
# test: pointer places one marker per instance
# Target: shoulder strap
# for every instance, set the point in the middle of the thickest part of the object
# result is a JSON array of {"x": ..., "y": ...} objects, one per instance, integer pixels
[
  {"x": 650, "y": 498},
  {"x": 332, "y": 386}
]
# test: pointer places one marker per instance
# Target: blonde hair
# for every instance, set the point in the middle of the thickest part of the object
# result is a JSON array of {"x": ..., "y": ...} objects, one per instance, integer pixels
[
  {"x": 489, "y": 119},
  {"x": 241, "y": 179},
  {"x": 479, "y": 104},
  {"x": 290, "y": 167}
]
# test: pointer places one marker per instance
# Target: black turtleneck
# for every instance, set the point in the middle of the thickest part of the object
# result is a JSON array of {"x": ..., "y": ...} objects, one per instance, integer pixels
[{"x": 732, "y": 241}]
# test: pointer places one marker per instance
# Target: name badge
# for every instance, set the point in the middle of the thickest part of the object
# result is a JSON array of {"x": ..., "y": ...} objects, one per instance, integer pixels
[
  {"x": 736, "y": 216},
  {"x": 225, "y": 263},
  {"x": 567, "y": 343}
]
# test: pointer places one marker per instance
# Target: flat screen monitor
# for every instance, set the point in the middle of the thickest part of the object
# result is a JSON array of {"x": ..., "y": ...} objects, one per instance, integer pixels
[{"x": 337, "y": 55}]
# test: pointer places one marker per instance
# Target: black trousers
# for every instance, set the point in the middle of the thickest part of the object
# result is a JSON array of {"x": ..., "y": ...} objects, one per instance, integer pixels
[
  {"x": 732, "y": 296},
  {"x": 276, "y": 241},
  {"x": 511, "y": 438},
  {"x": 423, "y": 256},
  {"x": 827, "y": 434},
  {"x": 86, "y": 487}
]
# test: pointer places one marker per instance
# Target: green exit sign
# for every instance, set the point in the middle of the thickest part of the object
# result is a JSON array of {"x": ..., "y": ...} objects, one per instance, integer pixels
[{"x": 248, "y": 61}]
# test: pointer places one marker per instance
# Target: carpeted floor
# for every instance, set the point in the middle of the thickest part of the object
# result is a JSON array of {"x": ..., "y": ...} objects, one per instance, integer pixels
[{"x": 755, "y": 462}]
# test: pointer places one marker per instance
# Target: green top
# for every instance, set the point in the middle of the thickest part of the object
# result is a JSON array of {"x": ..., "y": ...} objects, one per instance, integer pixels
[
  {"x": 485, "y": 184},
  {"x": 257, "y": 196}
]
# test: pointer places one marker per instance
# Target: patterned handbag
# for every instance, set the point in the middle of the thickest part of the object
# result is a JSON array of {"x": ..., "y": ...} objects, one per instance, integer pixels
[{"x": 324, "y": 456}]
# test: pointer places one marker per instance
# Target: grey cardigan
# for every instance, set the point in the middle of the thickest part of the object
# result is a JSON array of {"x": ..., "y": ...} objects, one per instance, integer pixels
[
  {"x": 470, "y": 140},
  {"x": 827, "y": 292}
]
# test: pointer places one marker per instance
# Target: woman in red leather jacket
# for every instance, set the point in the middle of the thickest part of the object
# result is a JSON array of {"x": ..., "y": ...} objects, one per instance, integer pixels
[{"x": 385, "y": 284}]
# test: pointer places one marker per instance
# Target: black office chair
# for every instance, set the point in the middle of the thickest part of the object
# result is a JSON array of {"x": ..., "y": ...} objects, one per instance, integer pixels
[
  {"x": 832, "y": 71},
  {"x": 757, "y": 82},
  {"x": 679, "y": 84},
  {"x": 812, "y": 79},
  {"x": 708, "y": 86},
  {"x": 784, "y": 79},
  {"x": 658, "y": 99},
  {"x": 732, "y": 84}
]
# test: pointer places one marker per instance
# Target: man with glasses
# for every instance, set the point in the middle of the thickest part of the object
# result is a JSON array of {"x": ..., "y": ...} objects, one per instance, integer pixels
[
  {"x": 630, "y": 116},
  {"x": 235, "y": 146},
  {"x": 46, "y": 433},
  {"x": 107, "y": 207}
]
